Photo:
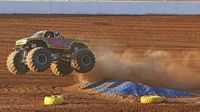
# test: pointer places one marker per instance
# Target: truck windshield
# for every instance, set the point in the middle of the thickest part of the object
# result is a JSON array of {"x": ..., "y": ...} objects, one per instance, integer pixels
[{"x": 37, "y": 34}]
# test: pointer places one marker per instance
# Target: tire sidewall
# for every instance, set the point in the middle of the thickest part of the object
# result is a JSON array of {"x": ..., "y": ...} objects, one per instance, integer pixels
[
  {"x": 32, "y": 59},
  {"x": 78, "y": 64},
  {"x": 37, "y": 56}
]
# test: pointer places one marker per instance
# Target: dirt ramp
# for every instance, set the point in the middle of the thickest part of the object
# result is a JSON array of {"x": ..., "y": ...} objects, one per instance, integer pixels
[{"x": 156, "y": 68}]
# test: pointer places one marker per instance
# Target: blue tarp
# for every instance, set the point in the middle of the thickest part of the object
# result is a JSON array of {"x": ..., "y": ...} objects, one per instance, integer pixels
[{"x": 130, "y": 88}]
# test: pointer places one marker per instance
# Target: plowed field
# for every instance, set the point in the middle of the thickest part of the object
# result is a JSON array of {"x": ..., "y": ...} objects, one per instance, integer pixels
[{"x": 175, "y": 34}]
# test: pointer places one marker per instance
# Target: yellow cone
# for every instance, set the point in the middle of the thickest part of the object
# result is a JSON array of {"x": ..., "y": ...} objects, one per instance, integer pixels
[
  {"x": 53, "y": 100},
  {"x": 151, "y": 99}
]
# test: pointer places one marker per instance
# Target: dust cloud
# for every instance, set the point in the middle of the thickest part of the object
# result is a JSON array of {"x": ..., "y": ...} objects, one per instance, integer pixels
[{"x": 155, "y": 68}]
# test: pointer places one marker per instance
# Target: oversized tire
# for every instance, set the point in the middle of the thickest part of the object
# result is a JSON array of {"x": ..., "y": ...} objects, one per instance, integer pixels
[
  {"x": 39, "y": 59},
  {"x": 83, "y": 61},
  {"x": 14, "y": 63},
  {"x": 61, "y": 68},
  {"x": 151, "y": 99}
]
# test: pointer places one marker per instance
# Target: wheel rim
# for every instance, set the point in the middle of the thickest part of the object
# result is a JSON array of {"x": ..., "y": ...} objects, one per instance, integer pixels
[
  {"x": 42, "y": 59},
  {"x": 86, "y": 60}
]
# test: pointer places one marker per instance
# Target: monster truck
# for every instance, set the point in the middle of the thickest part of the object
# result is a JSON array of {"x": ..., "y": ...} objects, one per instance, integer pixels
[{"x": 46, "y": 49}]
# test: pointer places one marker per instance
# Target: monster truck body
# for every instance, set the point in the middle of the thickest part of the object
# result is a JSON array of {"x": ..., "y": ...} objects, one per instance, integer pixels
[
  {"x": 50, "y": 49},
  {"x": 48, "y": 39}
]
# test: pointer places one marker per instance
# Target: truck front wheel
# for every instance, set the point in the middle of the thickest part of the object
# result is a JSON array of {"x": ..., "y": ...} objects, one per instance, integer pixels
[{"x": 39, "y": 59}]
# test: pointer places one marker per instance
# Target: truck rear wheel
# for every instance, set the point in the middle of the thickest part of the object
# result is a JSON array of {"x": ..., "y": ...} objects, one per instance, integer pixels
[
  {"x": 61, "y": 68},
  {"x": 15, "y": 64},
  {"x": 83, "y": 61},
  {"x": 39, "y": 59}
]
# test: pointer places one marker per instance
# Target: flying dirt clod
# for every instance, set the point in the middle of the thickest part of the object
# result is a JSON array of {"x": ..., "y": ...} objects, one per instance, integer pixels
[{"x": 46, "y": 49}]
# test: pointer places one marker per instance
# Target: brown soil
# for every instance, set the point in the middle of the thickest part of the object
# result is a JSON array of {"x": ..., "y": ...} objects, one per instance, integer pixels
[{"x": 175, "y": 34}]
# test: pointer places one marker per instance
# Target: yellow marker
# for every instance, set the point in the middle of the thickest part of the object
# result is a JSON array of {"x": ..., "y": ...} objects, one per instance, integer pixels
[
  {"x": 53, "y": 100},
  {"x": 151, "y": 99}
]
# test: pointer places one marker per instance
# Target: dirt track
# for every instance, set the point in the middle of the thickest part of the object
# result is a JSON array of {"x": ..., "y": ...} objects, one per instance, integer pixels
[{"x": 176, "y": 34}]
